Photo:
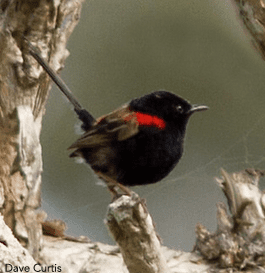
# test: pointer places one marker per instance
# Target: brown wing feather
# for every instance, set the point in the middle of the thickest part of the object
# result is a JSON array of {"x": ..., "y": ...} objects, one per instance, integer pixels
[{"x": 118, "y": 125}]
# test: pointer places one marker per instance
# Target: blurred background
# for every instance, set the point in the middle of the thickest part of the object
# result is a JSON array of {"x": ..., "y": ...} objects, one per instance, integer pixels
[{"x": 124, "y": 49}]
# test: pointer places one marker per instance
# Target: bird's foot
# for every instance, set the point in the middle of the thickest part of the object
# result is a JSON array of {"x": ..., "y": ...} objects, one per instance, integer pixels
[{"x": 115, "y": 188}]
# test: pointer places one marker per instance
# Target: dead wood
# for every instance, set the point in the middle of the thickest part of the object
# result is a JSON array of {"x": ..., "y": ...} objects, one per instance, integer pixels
[
  {"x": 236, "y": 246},
  {"x": 24, "y": 89}
]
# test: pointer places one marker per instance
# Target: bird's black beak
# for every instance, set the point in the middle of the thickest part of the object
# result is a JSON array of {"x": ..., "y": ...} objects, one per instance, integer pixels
[{"x": 197, "y": 108}]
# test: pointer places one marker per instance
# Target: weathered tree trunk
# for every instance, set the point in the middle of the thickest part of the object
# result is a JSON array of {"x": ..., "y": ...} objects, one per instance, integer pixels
[
  {"x": 252, "y": 14},
  {"x": 239, "y": 241},
  {"x": 238, "y": 244},
  {"x": 24, "y": 89}
]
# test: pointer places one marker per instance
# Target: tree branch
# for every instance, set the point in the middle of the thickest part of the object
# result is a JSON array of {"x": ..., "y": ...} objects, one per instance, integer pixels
[
  {"x": 238, "y": 243},
  {"x": 24, "y": 89},
  {"x": 252, "y": 14},
  {"x": 133, "y": 230}
]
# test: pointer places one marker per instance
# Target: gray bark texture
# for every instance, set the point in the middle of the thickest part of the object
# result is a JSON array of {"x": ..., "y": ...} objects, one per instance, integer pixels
[
  {"x": 252, "y": 14},
  {"x": 24, "y": 89},
  {"x": 238, "y": 245}
]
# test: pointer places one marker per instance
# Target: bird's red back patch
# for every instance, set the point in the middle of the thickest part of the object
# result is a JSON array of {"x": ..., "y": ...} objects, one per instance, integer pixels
[{"x": 146, "y": 120}]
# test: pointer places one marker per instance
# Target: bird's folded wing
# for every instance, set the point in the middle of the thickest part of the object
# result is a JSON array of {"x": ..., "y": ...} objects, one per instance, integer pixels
[{"x": 116, "y": 126}]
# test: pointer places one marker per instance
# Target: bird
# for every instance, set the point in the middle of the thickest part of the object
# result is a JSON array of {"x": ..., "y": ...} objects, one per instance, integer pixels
[{"x": 139, "y": 143}]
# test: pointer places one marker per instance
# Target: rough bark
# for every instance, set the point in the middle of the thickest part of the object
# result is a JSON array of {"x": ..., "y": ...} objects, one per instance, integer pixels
[
  {"x": 24, "y": 88},
  {"x": 81, "y": 255},
  {"x": 11, "y": 251},
  {"x": 239, "y": 241},
  {"x": 236, "y": 246},
  {"x": 252, "y": 14},
  {"x": 132, "y": 228}
]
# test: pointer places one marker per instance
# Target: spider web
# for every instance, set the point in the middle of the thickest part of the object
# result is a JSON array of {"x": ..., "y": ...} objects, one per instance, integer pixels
[{"x": 246, "y": 152}]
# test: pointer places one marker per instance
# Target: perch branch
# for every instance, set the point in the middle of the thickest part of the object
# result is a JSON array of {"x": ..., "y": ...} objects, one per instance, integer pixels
[{"x": 132, "y": 228}]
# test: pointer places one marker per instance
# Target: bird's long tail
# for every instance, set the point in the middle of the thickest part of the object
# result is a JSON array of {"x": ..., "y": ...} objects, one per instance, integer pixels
[{"x": 82, "y": 113}]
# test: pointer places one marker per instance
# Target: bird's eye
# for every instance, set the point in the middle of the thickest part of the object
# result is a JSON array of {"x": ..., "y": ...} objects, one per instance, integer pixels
[{"x": 179, "y": 108}]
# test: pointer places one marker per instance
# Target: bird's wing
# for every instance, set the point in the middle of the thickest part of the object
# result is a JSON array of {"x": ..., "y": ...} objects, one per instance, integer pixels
[{"x": 118, "y": 125}]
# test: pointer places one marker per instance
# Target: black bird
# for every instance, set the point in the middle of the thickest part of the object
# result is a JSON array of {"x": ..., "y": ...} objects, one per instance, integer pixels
[{"x": 137, "y": 144}]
